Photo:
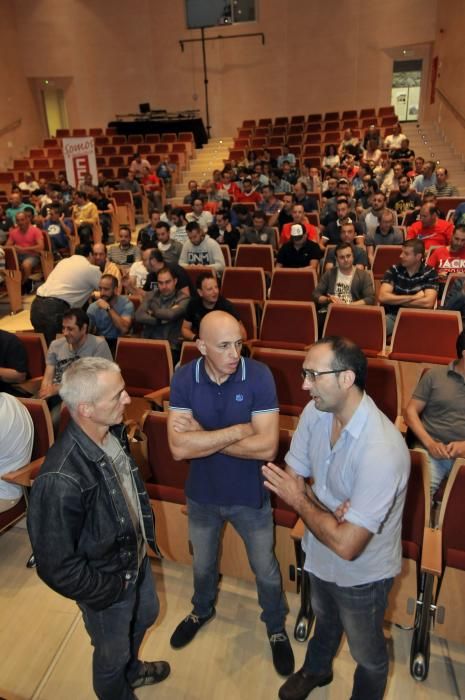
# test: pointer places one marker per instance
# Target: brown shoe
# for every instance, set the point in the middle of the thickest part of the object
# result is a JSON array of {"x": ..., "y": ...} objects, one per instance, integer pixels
[{"x": 301, "y": 683}]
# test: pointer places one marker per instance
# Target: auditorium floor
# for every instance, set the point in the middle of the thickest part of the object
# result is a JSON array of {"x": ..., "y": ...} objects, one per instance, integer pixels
[{"x": 45, "y": 653}]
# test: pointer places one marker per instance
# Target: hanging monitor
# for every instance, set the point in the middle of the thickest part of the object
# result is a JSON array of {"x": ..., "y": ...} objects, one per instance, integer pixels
[{"x": 207, "y": 13}]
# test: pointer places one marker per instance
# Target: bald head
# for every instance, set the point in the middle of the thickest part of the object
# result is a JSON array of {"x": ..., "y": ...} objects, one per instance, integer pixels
[
  {"x": 220, "y": 342},
  {"x": 217, "y": 324}
]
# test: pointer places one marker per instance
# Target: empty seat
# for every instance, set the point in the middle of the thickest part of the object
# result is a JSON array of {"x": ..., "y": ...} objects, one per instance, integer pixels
[
  {"x": 244, "y": 283},
  {"x": 246, "y": 310},
  {"x": 423, "y": 335},
  {"x": 293, "y": 285},
  {"x": 367, "y": 113},
  {"x": 255, "y": 255},
  {"x": 146, "y": 365},
  {"x": 167, "y": 477},
  {"x": 290, "y": 325},
  {"x": 383, "y": 385},
  {"x": 36, "y": 350},
  {"x": 286, "y": 367},
  {"x": 385, "y": 256},
  {"x": 364, "y": 325}
]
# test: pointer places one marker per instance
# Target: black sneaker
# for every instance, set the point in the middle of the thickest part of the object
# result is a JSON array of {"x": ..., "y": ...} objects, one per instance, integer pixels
[
  {"x": 283, "y": 656},
  {"x": 152, "y": 672},
  {"x": 188, "y": 628}
]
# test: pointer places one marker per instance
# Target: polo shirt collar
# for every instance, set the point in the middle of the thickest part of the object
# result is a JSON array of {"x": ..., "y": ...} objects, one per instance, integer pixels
[
  {"x": 451, "y": 368},
  {"x": 201, "y": 376}
]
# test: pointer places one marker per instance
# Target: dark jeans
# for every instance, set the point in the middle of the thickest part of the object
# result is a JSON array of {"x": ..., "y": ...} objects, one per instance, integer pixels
[
  {"x": 116, "y": 634},
  {"x": 47, "y": 316},
  {"x": 255, "y": 526},
  {"x": 359, "y": 612}
]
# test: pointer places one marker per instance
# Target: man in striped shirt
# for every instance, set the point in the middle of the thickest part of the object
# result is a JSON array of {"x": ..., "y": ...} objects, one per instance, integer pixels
[{"x": 410, "y": 283}]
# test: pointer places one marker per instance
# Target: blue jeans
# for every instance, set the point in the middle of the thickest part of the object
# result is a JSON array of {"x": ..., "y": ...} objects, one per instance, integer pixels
[
  {"x": 438, "y": 468},
  {"x": 116, "y": 634},
  {"x": 255, "y": 527},
  {"x": 359, "y": 612}
]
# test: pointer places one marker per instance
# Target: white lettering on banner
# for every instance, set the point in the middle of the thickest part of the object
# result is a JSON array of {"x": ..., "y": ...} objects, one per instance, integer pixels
[{"x": 79, "y": 154}]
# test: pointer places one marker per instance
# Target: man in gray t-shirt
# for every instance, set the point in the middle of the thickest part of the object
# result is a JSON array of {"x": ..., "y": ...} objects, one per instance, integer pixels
[
  {"x": 75, "y": 344},
  {"x": 436, "y": 415}
]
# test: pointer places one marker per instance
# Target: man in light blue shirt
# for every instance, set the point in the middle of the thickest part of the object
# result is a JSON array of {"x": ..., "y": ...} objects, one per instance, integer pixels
[
  {"x": 112, "y": 314},
  {"x": 427, "y": 179},
  {"x": 359, "y": 464}
]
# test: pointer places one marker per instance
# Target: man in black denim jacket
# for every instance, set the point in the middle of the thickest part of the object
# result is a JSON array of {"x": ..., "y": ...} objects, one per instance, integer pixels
[{"x": 90, "y": 520}]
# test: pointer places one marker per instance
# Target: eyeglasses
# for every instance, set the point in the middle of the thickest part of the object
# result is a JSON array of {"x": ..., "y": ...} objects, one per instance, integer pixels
[{"x": 312, "y": 375}]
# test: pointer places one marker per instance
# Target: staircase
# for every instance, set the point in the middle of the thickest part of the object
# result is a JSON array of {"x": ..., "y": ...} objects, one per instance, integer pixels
[
  {"x": 202, "y": 165},
  {"x": 427, "y": 142}
]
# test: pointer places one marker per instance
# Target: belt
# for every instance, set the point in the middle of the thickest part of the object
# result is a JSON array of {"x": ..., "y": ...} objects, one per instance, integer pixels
[{"x": 52, "y": 299}]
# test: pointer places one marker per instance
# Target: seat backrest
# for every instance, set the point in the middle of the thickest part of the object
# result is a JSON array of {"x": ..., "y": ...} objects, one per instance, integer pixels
[
  {"x": 364, "y": 325},
  {"x": 451, "y": 517},
  {"x": 146, "y": 365},
  {"x": 193, "y": 271},
  {"x": 246, "y": 310},
  {"x": 255, "y": 256},
  {"x": 383, "y": 385},
  {"x": 451, "y": 277},
  {"x": 289, "y": 322},
  {"x": 36, "y": 350},
  {"x": 286, "y": 367},
  {"x": 11, "y": 258},
  {"x": 244, "y": 283},
  {"x": 424, "y": 335},
  {"x": 189, "y": 352},
  {"x": 165, "y": 471},
  {"x": 226, "y": 250},
  {"x": 43, "y": 428},
  {"x": 385, "y": 256},
  {"x": 293, "y": 285},
  {"x": 416, "y": 514}
]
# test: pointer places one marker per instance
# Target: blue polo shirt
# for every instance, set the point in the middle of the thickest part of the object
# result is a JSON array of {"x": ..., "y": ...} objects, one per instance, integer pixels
[{"x": 220, "y": 479}]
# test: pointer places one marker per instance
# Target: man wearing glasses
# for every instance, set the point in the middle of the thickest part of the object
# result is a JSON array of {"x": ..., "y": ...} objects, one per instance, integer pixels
[
  {"x": 359, "y": 464},
  {"x": 224, "y": 417}
]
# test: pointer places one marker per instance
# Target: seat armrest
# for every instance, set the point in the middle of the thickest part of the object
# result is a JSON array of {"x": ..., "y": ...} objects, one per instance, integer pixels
[
  {"x": 25, "y": 475},
  {"x": 431, "y": 556},
  {"x": 298, "y": 530},
  {"x": 159, "y": 396}
]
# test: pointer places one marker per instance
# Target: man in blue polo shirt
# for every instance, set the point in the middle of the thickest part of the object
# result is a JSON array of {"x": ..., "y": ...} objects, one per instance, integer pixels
[
  {"x": 224, "y": 418},
  {"x": 359, "y": 464}
]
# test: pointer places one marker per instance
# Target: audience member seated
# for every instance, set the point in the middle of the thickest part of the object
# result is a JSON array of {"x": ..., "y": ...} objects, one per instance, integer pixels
[
  {"x": 16, "y": 206},
  {"x": 286, "y": 157},
  {"x": 85, "y": 216},
  {"x": 162, "y": 311},
  {"x": 387, "y": 233},
  {"x": 343, "y": 284},
  {"x": 436, "y": 416},
  {"x": 285, "y": 213},
  {"x": 300, "y": 250},
  {"x": 76, "y": 343},
  {"x": 207, "y": 298},
  {"x": 282, "y": 184},
  {"x": 200, "y": 249},
  {"x": 5, "y": 224},
  {"x": 178, "y": 221},
  {"x": 332, "y": 224},
  {"x": 370, "y": 218},
  {"x": 101, "y": 198},
  {"x": 451, "y": 258},
  {"x": 455, "y": 299},
  {"x": 270, "y": 205},
  {"x": 138, "y": 272},
  {"x": 13, "y": 363},
  {"x": 28, "y": 184},
  {"x": 106, "y": 266},
  {"x": 298, "y": 217},
  {"x": 165, "y": 171},
  {"x": 156, "y": 262},
  {"x": 249, "y": 193},
  {"x": 430, "y": 228},
  {"x": 169, "y": 247},
  {"x": 226, "y": 188},
  {"x": 16, "y": 440},
  {"x": 124, "y": 252},
  {"x": 57, "y": 229},
  {"x": 70, "y": 284},
  {"x": 330, "y": 159},
  {"x": 394, "y": 141},
  {"x": 259, "y": 232},
  {"x": 137, "y": 165},
  {"x": 193, "y": 188},
  {"x": 147, "y": 236},
  {"x": 112, "y": 314},
  {"x": 130, "y": 183},
  {"x": 372, "y": 134},
  {"x": 364, "y": 195},
  {"x": 301, "y": 196},
  {"x": 411, "y": 283},
  {"x": 222, "y": 230},
  {"x": 372, "y": 153},
  {"x": 405, "y": 199},
  {"x": 348, "y": 139},
  {"x": 443, "y": 188},
  {"x": 404, "y": 154},
  {"x": 202, "y": 216},
  {"x": 343, "y": 188},
  {"x": 387, "y": 175},
  {"x": 347, "y": 235},
  {"x": 427, "y": 178},
  {"x": 28, "y": 240}
]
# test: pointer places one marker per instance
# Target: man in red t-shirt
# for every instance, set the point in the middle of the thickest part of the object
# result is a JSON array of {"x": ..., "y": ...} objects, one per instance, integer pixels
[
  {"x": 298, "y": 216},
  {"x": 28, "y": 240},
  {"x": 451, "y": 258},
  {"x": 430, "y": 228},
  {"x": 227, "y": 187},
  {"x": 249, "y": 193}
]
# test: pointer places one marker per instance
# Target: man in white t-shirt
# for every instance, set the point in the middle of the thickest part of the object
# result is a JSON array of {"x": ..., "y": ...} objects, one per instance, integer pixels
[
  {"x": 16, "y": 438},
  {"x": 138, "y": 273},
  {"x": 203, "y": 217}
]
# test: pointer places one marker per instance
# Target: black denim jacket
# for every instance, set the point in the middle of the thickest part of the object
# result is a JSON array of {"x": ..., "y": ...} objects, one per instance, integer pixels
[{"x": 82, "y": 535}]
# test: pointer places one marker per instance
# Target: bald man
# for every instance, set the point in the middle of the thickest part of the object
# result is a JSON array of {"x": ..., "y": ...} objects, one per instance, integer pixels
[{"x": 224, "y": 418}]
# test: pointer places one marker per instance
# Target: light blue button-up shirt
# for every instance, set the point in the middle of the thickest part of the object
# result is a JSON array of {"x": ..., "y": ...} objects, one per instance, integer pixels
[{"x": 369, "y": 465}]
